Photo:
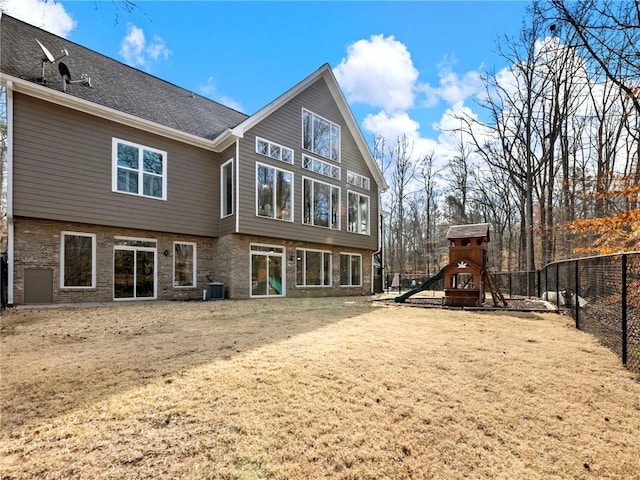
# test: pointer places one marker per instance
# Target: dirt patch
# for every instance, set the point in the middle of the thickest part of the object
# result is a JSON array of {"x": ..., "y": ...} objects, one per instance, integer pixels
[{"x": 310, "y": 388}]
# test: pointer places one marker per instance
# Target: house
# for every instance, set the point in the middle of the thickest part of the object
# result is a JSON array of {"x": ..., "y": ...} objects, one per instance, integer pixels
[{"x": 122, "y": 186}]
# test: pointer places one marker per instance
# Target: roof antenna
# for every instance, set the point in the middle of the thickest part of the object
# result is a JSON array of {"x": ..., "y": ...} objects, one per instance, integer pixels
[
  {"x": 48, "y": 57},
  {"x": 66, "y": 77}
]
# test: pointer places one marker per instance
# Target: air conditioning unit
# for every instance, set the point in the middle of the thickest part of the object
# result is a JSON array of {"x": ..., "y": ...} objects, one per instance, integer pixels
[{"x": 215, "y": 291}]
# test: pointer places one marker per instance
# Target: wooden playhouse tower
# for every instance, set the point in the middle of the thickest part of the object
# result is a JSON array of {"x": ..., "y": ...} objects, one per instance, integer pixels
[{"x": 466, "y": 277}]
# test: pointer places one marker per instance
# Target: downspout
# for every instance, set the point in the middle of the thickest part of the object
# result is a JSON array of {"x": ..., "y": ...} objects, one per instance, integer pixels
[
  {"x": 9, "y": 192},
  {"x": 236, "y": 188}
]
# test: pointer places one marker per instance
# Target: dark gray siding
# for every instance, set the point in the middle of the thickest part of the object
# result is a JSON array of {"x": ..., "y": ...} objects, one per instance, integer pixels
[
  {"x": 284, "y": 127},
  {"x": 63, "y": 165}
]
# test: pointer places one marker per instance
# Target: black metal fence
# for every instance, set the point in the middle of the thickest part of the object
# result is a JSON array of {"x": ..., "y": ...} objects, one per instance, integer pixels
[
  {"x": 4, "y": 276},
  {"x": 602, "y": 294}
]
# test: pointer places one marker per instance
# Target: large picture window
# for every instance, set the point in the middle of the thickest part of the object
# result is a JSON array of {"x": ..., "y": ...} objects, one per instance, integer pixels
[
  {"x": 77, "y": 260},
  {"x": 226, "y": 189},
  {"x": 313, "y": 268},
  {"x": 139, "y": 170},
  {"x": 274, "y": 193},
  {"x": 321, "y": 204},
  {"x": 350, "y": 270},
  {"x": 358, "y": 213},
  {"x": 184, "y": 264},
  {"x": 320, "y": 136}
]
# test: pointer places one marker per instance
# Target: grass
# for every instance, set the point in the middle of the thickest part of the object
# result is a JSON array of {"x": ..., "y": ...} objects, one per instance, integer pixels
[{"x": 316, "y": 388}]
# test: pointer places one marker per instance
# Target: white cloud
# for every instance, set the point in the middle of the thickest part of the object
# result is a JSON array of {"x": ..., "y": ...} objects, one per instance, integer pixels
[
  {"x": 137, "y": 52},
  {"x": 378, "y": 72},
  {"x": 209, "y": 90},
  {"x": 451, "y": 87},
  {"x": 48, "y": 15},
  {"x": 391, "y": 126}
]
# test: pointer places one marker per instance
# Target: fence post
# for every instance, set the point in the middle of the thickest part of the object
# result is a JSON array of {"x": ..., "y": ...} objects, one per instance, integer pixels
[
  {"x": 624, "y": 309},
  {"x": 558, "y": 286},
  {"x": 575, "y": 295}
]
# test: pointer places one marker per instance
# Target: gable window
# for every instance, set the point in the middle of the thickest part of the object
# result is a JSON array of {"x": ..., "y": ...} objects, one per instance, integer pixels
[
  {"x": 350, "y": 270},
  {"x": 320, "y": 136},
  {"x": 321, "y": 204},
  {"x": 274, "y": 193},
  {"x": 358, "y": 180},
  {"x": 273, "y": 150},
  {"x": 139, "y": 170},
  {"x": 313, "y": 268},
  {"x": 77, "y": 260},
  {"x": 226, "y": 189},
  {"x": 358, "y": 213},
  {"x": 184, "y": 264},
  {"x": 318, "y": 166}
]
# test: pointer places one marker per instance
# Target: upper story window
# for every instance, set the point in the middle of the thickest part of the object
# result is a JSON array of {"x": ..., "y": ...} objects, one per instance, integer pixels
[
  {"x": 358, "y": 180},
  {"x": 320, "y": 136},
  {"x": 274, "y": 193},
  {"x": 273, "y": 150},
  {"x": 358, "y": 213},
  {"x": 139, "y": 170},
  {"x": 321, "y": 204},
  {"x": 226, "y": 189},
  {"x": 318, "y": 166}
]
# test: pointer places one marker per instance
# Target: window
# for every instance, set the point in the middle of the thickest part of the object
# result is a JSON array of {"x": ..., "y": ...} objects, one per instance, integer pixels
[
  {"x": 358, "y": 180},
  {"x": 77, "y": 260},
  {"x": 313, "y": 268},
  {"x": 320, "y": 136},
  {"x": 226, "y": 189},
  {"x": 267, "y": 271},
  {"x": 321, "y": 204},
  {"x": 358, "y": 213},
  {"x": 139, "y": 170},
  {"x": 318, "y": 166},
  {"x": 184, "y": 264},
  {"x": 274, "y": 193},
  {"x": 273, "y": 150},
  {"x": 350, "y": 270}
]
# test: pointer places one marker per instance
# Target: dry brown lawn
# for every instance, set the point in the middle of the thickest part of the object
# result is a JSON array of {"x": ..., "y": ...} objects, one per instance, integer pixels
[{"x": 307, "y": 389}]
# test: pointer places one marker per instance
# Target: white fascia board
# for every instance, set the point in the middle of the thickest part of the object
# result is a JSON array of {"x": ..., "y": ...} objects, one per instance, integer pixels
[{"x": 64, "y": 99}]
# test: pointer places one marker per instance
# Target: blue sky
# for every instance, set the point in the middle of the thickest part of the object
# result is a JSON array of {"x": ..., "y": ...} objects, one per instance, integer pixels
[{"x": 404, "y": 66}]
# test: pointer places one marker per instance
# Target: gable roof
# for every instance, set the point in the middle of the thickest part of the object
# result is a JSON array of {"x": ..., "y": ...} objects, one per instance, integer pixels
[
  {"x": 475, "y": 230},
  {"x": 114, "y": 84},
  {"x": 324, "y": 72},
  {"x": 128, "y": 95}
]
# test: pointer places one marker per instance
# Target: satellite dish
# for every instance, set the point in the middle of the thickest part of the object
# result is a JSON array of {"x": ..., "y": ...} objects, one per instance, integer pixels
[
  {"x": 47, "y": 53},
  {"x": 66, "y": 77}
]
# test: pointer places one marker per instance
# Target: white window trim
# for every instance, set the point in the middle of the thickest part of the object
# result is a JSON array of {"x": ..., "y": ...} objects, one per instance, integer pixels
[
  {"x": 292, "y": 215},
  {"x": 323, "y": 163},
  {"x": 358, "y": 180},
  {"x": 305, "y": 285},
  {"x": 153, "y": 249},
  {"x": 361, "y": 269},
  {"x": 282, "y": 147},
  {"x": 222, "y": 189},
  {"x": 358, "y": 232},
  {"x": 338, "y": 228},
  {"x": 282, "y": 254},
  {"x": 114, "y": 169},
  {"x": 331, "y": 123},
  {"x": 63, "y": 234},
  {"x": 194, "y": 279}
]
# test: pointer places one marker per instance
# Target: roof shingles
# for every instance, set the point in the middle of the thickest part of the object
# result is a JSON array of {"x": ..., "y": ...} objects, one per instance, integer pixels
[{"x": 114, "y": 84}]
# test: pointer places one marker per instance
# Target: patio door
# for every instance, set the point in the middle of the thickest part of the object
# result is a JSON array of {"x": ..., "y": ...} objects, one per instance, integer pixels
[
  {"x": 267, "y": 274},
  {"x": 134, "y": 269}
]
